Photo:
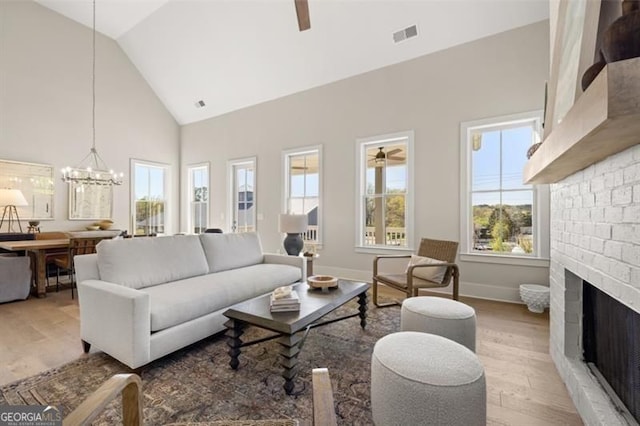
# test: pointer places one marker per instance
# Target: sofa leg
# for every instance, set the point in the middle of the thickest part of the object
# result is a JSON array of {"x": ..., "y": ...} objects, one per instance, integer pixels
[
  {"x": 137, "y": 371},
  {"x": 86, "y": 346}
]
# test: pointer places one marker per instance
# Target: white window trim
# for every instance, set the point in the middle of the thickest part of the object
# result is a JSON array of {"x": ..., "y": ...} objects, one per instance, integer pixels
[
  {"x": 231, "y": 189},
  {"x": 190, "y": 168},
  {"x": 286, "y": 154},
  {"x": 168, "y": 228},
  {"x": 540, "y": 200},
  {"x": 361, "y": 146}
]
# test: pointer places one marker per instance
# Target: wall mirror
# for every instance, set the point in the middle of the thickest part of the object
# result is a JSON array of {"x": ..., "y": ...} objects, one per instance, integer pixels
[
  {"x": 90, "y": 202},
  {"x": 36, "y": 183}
]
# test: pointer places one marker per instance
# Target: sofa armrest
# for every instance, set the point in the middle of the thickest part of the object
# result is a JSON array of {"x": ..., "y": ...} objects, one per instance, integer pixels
[
  {"x": 297, "y": 261},
  {"x": 86, "y": 267},
  {"x": 116, "y": 319}
]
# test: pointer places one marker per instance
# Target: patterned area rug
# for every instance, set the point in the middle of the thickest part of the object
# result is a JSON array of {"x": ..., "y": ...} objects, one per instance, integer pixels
[{"x": 196, "y": 384}]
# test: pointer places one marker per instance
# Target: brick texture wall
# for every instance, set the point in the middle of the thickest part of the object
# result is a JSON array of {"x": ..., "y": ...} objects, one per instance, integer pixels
[{"x": 595, "y": 236}]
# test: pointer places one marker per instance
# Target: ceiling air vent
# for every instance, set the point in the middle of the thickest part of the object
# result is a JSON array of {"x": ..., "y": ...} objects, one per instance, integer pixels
[
  {"x": 200, "y": 104},
  {"x": 404, "y": 34}
]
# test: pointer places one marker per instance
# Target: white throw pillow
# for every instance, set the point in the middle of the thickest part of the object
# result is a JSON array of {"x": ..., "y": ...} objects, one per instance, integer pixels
[{"x": 435, "y": 274}]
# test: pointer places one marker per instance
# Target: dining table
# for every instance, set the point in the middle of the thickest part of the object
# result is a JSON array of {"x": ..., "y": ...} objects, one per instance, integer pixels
[{"x": 39, "y": 249}]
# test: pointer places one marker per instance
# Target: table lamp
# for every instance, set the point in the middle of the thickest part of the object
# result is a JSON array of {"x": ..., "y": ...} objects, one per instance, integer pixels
[
  {"x": 293, "y": 225},
  {"x": 10, "y": 198}
]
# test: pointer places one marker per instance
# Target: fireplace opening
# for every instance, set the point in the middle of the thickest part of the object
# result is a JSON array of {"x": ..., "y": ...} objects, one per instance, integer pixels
[{"x": 611, "y": 344}]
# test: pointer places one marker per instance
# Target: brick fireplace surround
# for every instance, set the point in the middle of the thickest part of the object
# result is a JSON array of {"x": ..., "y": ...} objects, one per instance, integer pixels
[{"x": 595, "y": 236}]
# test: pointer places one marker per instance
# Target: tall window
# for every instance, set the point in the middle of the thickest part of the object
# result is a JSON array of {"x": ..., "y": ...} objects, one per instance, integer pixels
[
  {"x": 500, "y": 214},
  {"x": 242, "y": 177},
  {"x": 302, "y": 188},
  {"x": 150, "y": 195},
  {"x": 385, "y": 186},
  {"x": 198, "y": 197}
]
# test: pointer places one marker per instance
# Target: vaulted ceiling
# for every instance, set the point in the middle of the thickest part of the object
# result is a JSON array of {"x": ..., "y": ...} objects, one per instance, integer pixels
[{"x": 235, "y": 53}]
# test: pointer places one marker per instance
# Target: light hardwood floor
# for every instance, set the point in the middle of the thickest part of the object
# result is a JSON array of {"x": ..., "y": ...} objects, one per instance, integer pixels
[{"x": 523, "y": 386}]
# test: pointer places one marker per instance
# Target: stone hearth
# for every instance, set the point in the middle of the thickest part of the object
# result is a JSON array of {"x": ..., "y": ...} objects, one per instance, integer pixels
[{"x": 595, "y": 236}]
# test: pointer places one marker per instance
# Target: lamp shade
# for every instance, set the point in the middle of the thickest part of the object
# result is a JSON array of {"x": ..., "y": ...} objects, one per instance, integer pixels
[
  {"x": 12, "y": 197},
  {"x": 293, "y": 223}
]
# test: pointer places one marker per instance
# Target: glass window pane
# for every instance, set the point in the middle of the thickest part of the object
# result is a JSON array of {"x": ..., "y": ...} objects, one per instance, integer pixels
[
  {"x": 156, "y": 182},
  {"x": 370, "y": 179},
  {"x": 297, "y": 185},
  {"x": 483, "y": 206},
  {"x": 243, "y": 209},
  {"x": 149, "y": 195},
  {"x": 374, "y": 229},
  {"x": 312, "y": 185},
  {"x": 142, "y": 182},
  {"x": 396, "y": 179},
  {"x": 485, "y": 159},
  {"x": 385, "y": 188},
  {"x": 519, "y": 207},
  {"x": 515, "y": 143},
  {"x": 395, "y": 232}
]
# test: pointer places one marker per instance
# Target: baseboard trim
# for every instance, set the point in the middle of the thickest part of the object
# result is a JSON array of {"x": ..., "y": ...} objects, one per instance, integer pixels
[{"x": 467, "y": 288}]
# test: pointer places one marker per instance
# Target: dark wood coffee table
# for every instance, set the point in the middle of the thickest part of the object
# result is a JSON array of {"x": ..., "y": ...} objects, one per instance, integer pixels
[{"x": 314, "y": 305}]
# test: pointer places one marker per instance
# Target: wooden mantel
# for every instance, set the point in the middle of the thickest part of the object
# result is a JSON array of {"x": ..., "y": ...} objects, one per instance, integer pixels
[{"x": 603, "y": 121}]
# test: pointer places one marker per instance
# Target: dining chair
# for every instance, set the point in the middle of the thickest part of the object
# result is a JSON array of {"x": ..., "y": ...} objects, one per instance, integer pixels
[
  {"x": 52, "y": 254},
  {"x": 432, "y": 254},
  {"x": 77, "y": 246}
]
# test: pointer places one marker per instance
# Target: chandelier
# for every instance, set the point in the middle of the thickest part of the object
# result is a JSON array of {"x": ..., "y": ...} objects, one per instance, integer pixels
[{"x": 92, "y": 170}]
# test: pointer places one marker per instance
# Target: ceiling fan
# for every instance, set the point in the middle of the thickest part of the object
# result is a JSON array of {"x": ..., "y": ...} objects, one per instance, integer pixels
[
  {"x": 389, "y": 155},
  {"x": 302, "y": 10}
]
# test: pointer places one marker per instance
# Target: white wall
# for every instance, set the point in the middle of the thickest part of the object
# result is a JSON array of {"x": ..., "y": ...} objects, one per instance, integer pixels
[
  {"x": 499, "y": 75},
  {"x": 45, "y": 104}
]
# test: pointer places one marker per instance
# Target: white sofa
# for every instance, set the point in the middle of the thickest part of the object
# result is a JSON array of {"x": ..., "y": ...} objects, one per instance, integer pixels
[{"x": 143, "y": 298}]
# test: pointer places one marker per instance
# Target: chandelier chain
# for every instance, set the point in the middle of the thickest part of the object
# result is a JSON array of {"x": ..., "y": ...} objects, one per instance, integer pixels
[
  {"x": 93, "y": 78},
  {"x": 92, "y": 170}
]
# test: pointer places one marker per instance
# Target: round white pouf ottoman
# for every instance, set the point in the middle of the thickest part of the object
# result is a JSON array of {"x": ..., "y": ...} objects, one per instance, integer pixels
[
  {"x": 535, "y": 296},
  {"x": 444, "y": 317},
  {"x": 424, "y": 379}
]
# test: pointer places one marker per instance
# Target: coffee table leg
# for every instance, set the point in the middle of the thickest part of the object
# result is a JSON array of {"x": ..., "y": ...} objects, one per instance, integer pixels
[
  {"x": 234, "y": 331},
  {"x": 290, "y": 348},
  {"x": 362, "y": 309}
]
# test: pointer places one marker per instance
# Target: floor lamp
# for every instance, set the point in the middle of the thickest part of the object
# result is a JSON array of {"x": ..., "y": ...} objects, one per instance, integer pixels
[{"x": 10, "y": 199}]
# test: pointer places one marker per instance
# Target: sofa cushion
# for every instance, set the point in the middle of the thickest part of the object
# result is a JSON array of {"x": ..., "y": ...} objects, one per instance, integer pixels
[
  {"x": 231, "y": 251},
  {"x": 180, "y": 301},
  {"x": 143, "y": 262}
]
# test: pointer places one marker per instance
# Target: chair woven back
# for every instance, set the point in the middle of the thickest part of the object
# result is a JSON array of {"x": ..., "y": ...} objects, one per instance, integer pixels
[
  {"x": 441, "y": 250},
  {"x": 82, "y": 245}
]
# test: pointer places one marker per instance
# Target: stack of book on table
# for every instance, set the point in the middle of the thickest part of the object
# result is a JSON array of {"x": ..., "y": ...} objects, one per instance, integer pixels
[{"x": 283, "y": 299}]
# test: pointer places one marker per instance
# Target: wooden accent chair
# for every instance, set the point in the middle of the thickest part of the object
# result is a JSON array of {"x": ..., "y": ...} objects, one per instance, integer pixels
[
  {"x": 77, "y": 246},
  {"x": 129, "y": 385},
  {"x": 443, "y": 250},
  {"x": 324, "y": 412}
]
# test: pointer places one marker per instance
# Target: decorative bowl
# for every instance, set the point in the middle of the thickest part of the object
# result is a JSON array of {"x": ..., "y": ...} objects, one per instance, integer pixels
[
  {"x": 322, "y": 281},
  {"x": 105, "y": 224},
  {"x": 535, "y": 296},
  {"x": 92, "y": 228}
]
